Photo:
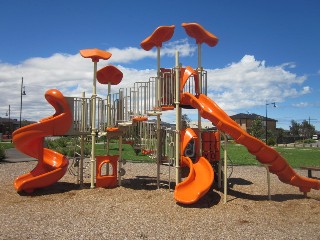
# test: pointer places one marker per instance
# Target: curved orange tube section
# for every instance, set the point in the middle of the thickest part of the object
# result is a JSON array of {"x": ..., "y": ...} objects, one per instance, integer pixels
[
  {"x": 29, "y": 139},
  {"x": 200, "y": 177}
]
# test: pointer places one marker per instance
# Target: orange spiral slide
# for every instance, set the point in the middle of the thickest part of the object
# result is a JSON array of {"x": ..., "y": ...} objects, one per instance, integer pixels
[
  {"x": 265, "y": 154},
  {"x": 51, "y": 165},
  {"x": 200, "y": 177}
]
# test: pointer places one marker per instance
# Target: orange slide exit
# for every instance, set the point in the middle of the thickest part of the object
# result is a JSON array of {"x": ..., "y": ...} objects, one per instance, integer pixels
[
  {"x": 29, "y": 139},
  {"x": 200, "y": 176},
  {"x": 265, "y": 154}
]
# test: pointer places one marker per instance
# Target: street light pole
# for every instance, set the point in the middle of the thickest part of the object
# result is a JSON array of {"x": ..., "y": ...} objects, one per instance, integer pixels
[
  {"x": 274, "y": 105},
  {"x": 9, "y": 125},
  {"x": 22, "y": 92}
]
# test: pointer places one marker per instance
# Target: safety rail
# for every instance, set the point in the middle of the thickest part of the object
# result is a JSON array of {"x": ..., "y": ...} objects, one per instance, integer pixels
[
  {"x": 81, "y": 108},
  {"x": 167, "y": 85}
]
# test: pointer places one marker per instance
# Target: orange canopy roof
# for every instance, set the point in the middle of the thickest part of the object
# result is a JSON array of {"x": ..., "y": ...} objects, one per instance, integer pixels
[
  {"x": 160, "y": 35},
  {"x": 201, "y": 35},
  {"x": 95, "y": 54},
  {"x": 109, "y": 74}
]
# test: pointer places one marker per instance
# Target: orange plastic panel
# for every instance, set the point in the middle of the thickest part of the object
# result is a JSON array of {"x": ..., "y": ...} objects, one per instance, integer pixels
[
  {"x": 109, "y": 74},
  {"x": 95, "y": 54},
  {"x": 106, "y": 181},
  {"x": 167, "y": 108},
  {"x": 139, "y": 119},
  {"x": 160, "y": 35},
  {"x": 112, "y": 129},
  {"x": 201, "y": 35}
]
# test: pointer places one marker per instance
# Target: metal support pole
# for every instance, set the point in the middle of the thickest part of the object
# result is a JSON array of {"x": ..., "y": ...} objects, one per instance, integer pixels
[
  {"x": 225, "y": 184},
  {"x": 82, "y": 139},
  {"x": 178, "y": 119},
  {"x": 268, "y": 179},
  {"x": 159, "y": 152},
  {"x": 10, "y": 129},
  {"x": 22, "y": 92},
  {"x": 219, "y": 170},
  {"x": 158, "y": 74},
  {"x": 93, "y": 126},
  {"x": 200, "y": 91},
  {"x": 109, "y": 105},
  {"x": 120, "y": 160}
]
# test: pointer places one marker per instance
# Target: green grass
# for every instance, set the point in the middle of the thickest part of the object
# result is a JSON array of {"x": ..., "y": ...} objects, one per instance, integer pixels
[
  {"x": 296, "y": 157},
  {"x": 3, "y": 147},
  {"x": 238, "y": 154},
  {"x": 128, "y": 152},
  {"x": 6, "y": 145}
]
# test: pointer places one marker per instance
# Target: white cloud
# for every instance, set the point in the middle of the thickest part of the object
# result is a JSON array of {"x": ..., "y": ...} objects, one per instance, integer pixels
[
  {"x": 242, "y": 84},
  {"x": 301, "y": 104},
  {"x": 132, "y": 54},
  {"x": 250, "y": 83}
]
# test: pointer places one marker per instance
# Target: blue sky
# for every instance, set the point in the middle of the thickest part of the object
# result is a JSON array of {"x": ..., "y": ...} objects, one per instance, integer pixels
[{"x": 267, "y": 50}]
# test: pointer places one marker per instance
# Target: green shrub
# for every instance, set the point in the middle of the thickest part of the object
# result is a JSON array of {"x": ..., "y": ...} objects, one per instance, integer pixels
[
  {"x": 271, "y": 142},
  {"x": 67, "y": 146},
  {"x": 2, "y": 153}
]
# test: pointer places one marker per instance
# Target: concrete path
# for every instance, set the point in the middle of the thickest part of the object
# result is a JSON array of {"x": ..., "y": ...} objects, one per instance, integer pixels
[{"x": 13, "y": 155}]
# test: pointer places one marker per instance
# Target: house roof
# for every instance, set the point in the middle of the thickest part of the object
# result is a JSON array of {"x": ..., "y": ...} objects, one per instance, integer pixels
[{"x": 250, "y": 116}]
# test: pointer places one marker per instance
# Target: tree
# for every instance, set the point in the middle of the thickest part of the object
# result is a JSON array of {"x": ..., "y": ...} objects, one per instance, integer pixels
[
  {"x": 257, "y": 129},
  {"x": 295, "y": 128},
  {"x": 307, "y": 129},
  {"x": 185, "y": 120},
  {"x": 304, "y": 129},
  {"x": 280, "y": 135}
]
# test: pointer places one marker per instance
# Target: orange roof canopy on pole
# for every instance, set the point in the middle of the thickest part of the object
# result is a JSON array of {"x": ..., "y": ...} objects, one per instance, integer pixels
[
  {"x": 95, "y": 54},
  {"x": 160, "y": 35},
  {"x": 201, "y": 35},
  {"x": 109, "y": 74}
]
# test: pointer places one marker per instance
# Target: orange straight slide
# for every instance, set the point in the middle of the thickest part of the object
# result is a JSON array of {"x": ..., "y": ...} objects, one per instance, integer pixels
[
  {"x": 265, "y": 154},
  {"x": 29, "y": 139},
  {"x": 200, "y": 177}
]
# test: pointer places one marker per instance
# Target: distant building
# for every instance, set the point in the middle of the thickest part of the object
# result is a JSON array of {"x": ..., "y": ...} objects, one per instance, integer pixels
[
  {"x": 245, "y": 121},
  {"x": 8, "y": 126}
]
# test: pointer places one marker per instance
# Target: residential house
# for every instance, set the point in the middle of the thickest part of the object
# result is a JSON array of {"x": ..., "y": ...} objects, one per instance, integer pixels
[{"x": 245, "y": 121}]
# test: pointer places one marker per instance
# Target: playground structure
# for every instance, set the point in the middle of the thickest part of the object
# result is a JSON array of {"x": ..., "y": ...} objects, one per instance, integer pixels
[{"x": 132, "y": 115}]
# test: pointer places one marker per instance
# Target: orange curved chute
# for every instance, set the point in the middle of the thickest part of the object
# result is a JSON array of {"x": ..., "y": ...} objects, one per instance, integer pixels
[
  {"x": 95, "y": 54},
  {"x": 29, "y": 139},
  {"x": 264, "y": 154},
  {"x": 185, "y": 74},
  {"x": 200, "y": 177},
  {"x": 109, "y": 74},
  {"x": 201, "y": 35},
  {"x": 160, "y": 35}
]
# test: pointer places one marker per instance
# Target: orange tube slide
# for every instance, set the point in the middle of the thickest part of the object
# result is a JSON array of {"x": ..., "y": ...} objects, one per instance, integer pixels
[
  {"x": 265, "y": 154},
  {"x": 29, "y": 139},
  {"x": 200, "y": 176}
]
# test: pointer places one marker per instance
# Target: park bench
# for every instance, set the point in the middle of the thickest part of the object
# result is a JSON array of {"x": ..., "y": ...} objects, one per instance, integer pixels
[{"x": 310, "y": 169}]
